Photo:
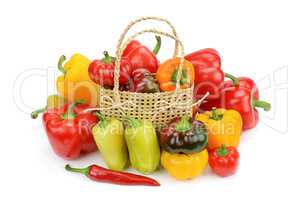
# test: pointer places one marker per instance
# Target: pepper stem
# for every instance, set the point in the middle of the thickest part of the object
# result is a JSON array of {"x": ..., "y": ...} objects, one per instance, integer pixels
[
  {"x": 84, "y": 171},
  {"x": 158, "y": 45},
  {"x": 234, "y": 79},
  {"x": 36, "y": 113},
  {"x": 70, "y": 112},
  {"x": 107, "y": 58},
  {"x": 215, "y": 115},
  {"x": 184, "y": 77},
  {"x": 60, "y": 64},
  {"x": 133, "y": 122},
  {"x": 103, "y": 120},
  {"x": 184, "y": 125},
  {"x": 261, "y": 104},
  {"x": 222, "y": 151}
]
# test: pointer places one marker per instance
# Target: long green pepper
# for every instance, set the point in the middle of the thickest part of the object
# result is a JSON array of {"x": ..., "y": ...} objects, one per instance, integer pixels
[
  {"x": 109, "y": 137},
  {"x": 142, "y": 143}
]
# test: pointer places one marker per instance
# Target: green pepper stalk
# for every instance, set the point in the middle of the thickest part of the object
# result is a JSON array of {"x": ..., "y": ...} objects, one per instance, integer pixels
[
  {"x": 36, "y": 113},
  {"x": 53, "y": 101},
  {"x": 184, "y": 136},
  {"x": 215, "y": 115},
  {"x": 158, "y": 45},
  {"x": 84, "y": 171},
  {"x": 234, "y": 79},
  {"x": 184, "y": 77},
  {"x": 184, "y": 125},
  {"x": 132, "y": 122},
  {"x": 61, "y": 60},
  {"x": 70, "y": 111},
  {"x": 261, "y": 104},
  {"x": 107, "y": 58},
  {"x": 103, "y": 121},
  {"x": 222, "y": 151}
]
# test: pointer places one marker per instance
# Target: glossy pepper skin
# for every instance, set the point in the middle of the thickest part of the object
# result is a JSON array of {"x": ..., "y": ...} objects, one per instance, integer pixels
[
  {"x": 100, "y": 174},
  {"x": 69, "y": 130},
  {"x": 184, "y": 136},
  {"x": 140, "y": 56},
  {"x": 244, "y": 82},
  {"x": 166, "y": 74},
  {"x": 242, "y": 96},
  {"x": 224, "y": 127},
  {"x": 102, "y": 71},
  {"x": 75, "y": 83},
  {"x": 208, "y": 73},
  {"x": 224, "y": 160},
  {"x": 184, "y": 166},
  {"x": 208, "y": 104},
  {"x": 142, "y": 81},
  {"x": 142, "y": 143},
  {"x": 109, "y": 137}
]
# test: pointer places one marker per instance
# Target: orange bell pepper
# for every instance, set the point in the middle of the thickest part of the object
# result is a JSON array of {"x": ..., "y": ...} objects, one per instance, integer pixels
[
  {"x": 224, "y": 127},
  {"x": 167, "y": 73}
]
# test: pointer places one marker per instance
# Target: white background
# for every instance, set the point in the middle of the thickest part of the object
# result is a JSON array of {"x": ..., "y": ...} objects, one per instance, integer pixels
[{"x": 254, "y": 38}]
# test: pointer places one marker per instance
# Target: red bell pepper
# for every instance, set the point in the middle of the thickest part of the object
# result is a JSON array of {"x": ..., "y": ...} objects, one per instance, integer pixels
[
  {"x": 141, "y": 57},
  {"x": 242, "y": 96},
  {"x": 69, "y": 130},
  {"x": 100, "y": 174},
  {"x": 208, "y": 73},
  {"x": 208, "y": 105},
  {"x": 102, "y": 71},
  {"x": 224, "y": 160},
  {"x": 243, "y": 82}
]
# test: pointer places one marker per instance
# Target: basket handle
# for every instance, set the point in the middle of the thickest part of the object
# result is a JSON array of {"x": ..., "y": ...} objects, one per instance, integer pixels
[
  {"x": 122, "y": 48},
  {"x": 134, "y": 22}
]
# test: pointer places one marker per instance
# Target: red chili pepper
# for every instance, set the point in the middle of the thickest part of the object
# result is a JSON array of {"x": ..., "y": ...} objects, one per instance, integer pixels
[
  {"x": 102, "y": 71},
  {"x": 101, "y": 174},
  {"x": 208, "y": 73},
  {"x": 242, "y": 96},
  {"x": 141, "y": 57},
  {"x": 69, "y": 130},
  {"x": 224, "y": 160}
]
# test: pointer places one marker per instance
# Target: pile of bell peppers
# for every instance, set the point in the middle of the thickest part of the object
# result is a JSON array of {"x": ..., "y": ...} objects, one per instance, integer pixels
[
  {"x": 184, "y": 147},
  {"x": 190, "y": 144},
  {"x": 184, "y": 143}
]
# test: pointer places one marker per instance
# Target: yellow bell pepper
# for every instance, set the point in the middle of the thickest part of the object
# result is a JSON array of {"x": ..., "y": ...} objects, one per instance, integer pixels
[
  {"x": 224, "y": 127},
  {"x": 75, "y": 82},
  {"x": 184, "y": 166}
]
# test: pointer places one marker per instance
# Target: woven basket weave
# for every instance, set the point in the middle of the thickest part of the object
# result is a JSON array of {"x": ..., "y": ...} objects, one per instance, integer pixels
[{"x": 159, "y": 107}]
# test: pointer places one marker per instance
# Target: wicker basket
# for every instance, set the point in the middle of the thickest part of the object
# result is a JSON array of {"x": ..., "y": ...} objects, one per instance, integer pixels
[{"x": 159, "y": 107}]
